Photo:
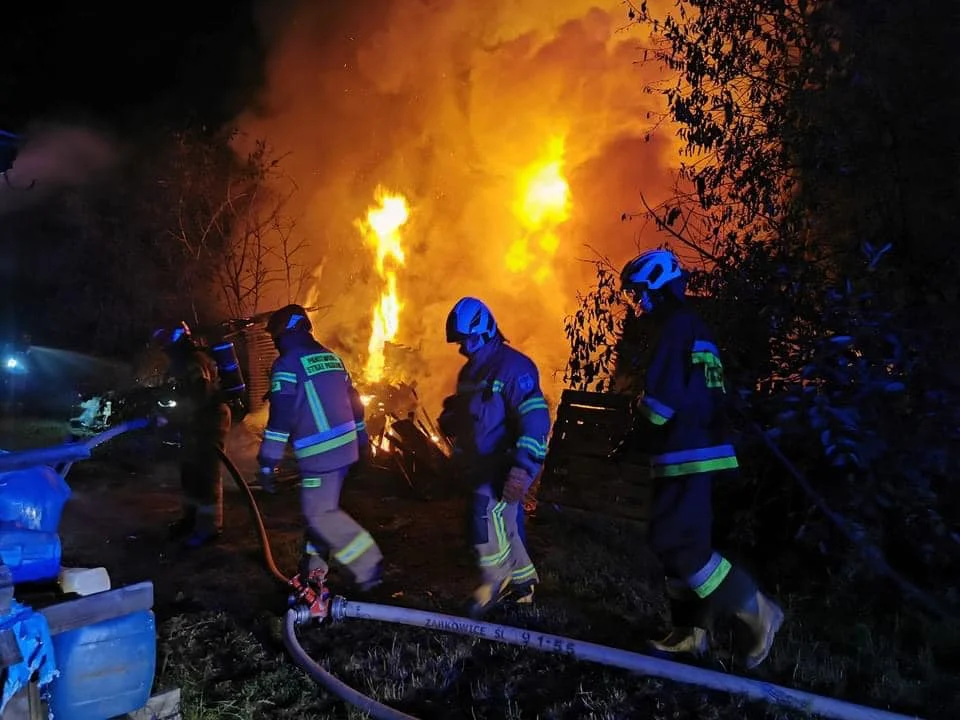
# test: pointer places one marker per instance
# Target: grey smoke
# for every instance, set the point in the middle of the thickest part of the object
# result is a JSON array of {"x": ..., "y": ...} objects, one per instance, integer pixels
[{"x": 54, "y": 157}]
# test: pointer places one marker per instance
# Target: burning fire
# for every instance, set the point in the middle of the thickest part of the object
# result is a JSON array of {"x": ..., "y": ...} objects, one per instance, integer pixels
[
  {"x": 381, "y": 230},
  {"x": 543, "y": 204}
]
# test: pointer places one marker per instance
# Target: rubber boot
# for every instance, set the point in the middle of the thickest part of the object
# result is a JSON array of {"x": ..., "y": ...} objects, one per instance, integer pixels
[
  {"x": 520, "y": 593},
  {"x": 690, "y": 617},
  {"x": 763, "y": 618},
  {"x": 183, "y": 526},
  {"x": 312, "y": 564},
  {"x": 486, "y": 597},
  {"x": 682, "y": 641},
  {"x": 374, "y": 580},
  {"x": 206, "y": 530}
]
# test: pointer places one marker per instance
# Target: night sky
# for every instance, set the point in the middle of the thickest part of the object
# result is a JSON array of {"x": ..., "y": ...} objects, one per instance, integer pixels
[{"x": 178, "y": 63}]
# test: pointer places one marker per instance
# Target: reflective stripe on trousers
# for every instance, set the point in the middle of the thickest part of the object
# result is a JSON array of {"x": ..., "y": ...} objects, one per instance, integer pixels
[
  {"x": 501, "y": 553},
  {"x": 330, "y": 528}
]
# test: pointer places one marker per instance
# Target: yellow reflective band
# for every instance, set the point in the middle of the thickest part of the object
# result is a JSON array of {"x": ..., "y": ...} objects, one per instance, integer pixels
[
  {"x": 694, "y": 467},
  {"x": 355, "y": 548},
  {"x": 316, "y": 407},
  {"x": 322, "y": 447},
  {"x": 719, "y": 574},
  {"x": 500, "y": 534},
  {"x": 534, "y": 403},
  {"x": 525, "y": 573}
]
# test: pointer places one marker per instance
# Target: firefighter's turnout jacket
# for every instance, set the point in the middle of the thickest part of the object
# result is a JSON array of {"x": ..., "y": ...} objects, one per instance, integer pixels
[
  {"x": 498, "y": 417},
  {"x": 314, "y": 406},
  {"x": 683, "y": 400}
]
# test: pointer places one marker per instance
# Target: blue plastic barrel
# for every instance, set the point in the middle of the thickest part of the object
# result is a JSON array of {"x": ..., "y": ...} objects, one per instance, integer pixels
[
  {"x": 32, "y": 498},
  {"x": 106, "y": 669},
  {"x": 31, "y": 555}
]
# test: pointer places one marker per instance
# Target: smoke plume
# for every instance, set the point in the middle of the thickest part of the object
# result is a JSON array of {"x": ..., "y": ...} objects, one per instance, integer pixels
[
  {"x": 53, "y": 157},
  {"x": 448, "y": 103}
]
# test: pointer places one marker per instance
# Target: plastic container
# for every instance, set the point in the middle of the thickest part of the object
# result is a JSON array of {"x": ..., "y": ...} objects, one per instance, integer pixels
[
  {"x": 231, "y": 376},
  {"x": 32, "y": 498},
  {"x": 31, "y": 555},
  {"x": 84, "y": 581},
  {"x": 106, "y": 669}
]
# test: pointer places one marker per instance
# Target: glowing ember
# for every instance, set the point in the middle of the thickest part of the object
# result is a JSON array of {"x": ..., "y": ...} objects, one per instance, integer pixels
[
  {"x": 381, "y": 230},
  {"x": 543, "y": 204}
]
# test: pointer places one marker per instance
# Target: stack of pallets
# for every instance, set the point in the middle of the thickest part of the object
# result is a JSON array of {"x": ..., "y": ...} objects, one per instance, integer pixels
[{"x": 578, "y": 471}]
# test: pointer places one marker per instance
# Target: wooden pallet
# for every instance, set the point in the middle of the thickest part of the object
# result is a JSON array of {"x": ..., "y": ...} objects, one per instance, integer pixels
[{"x": 578, "y": 471}]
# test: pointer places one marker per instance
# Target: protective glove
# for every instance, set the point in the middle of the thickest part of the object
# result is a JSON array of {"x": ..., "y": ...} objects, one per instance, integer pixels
[
  {"x": 267, "y": 480},
  {"x": 517, "y": 484}
]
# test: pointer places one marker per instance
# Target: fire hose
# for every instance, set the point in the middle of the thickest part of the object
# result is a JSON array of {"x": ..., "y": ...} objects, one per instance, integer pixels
[{"x": 316, "y": 605}]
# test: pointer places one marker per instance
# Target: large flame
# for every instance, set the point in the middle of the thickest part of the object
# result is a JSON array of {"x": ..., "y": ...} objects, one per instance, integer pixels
[
  {"x": 381, "y": 230},
  {"x": 542, "y": 204},
  {"x": 520, "y": 132}
]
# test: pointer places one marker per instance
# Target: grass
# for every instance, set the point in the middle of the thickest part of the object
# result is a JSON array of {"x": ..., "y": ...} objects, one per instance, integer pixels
[
  {"x": 598, "y": 585},
  {"x": 223, "y": 647}
]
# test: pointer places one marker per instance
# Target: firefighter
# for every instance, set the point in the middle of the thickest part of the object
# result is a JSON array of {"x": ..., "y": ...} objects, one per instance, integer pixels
[
  {"x": 680, "y": 425},
  {"x": 498, "y": 422},
  {"x": 203, "y": 420},
  {"x": 314, "y": 406}
]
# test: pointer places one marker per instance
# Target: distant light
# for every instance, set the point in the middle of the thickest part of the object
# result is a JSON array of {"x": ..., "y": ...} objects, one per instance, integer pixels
[
  {"x": 12, "y": 363},
  {"x": 365, "y": 399},
  {"x": 167, "y": 403}
]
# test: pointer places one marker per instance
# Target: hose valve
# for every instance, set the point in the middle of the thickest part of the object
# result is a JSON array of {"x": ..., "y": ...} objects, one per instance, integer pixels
[{"x": 311, "y": 597}]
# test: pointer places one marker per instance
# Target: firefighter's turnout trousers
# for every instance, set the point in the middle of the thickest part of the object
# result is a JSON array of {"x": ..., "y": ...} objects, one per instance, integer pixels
[
  {"x": 501, "y": 554},
  {"x": 333, "y": 534},
  {"x": 201, "y": 483},
  {"x": 699, "y": 580}
]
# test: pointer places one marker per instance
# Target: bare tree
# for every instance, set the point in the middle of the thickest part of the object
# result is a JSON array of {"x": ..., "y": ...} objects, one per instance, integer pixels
[{"x": 234, "y": 227}]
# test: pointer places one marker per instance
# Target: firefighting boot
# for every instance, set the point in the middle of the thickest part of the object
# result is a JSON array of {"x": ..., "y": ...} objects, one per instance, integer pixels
[
  {"x": 207, "y": 528},
  {"x": 690, "y": 617},
  {"x": 486, "y": 597},
  {"x": 763, "y": 618},
  {"x": 521, "y": 593},
  {"x": 682, "y": 641},
  {"x": 312, "y": 565},
  {"x": 375, "y": 579},
  {"x": 183, "y": 526}
]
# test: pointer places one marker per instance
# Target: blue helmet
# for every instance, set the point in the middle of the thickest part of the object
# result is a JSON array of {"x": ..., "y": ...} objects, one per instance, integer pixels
[
  {"x": 469, "y": 318},
  {"x": 288, "y": 319},
  {"x": 168, "y": 337},
  {"x": 651, "y": 270}
]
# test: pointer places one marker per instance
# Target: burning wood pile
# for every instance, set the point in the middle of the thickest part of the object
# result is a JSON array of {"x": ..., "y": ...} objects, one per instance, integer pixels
[{"x": 402, "y": 435}]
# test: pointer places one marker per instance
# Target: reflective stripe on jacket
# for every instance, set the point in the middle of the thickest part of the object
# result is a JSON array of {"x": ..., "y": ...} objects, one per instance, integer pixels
[
  {"x": 684, "y": 398},
  {"x": 498, "y": 416},
  {"x": 313, "y": 406}
]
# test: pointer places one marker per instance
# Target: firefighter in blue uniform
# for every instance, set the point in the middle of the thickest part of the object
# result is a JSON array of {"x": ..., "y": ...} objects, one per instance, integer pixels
[
  {"x": 314, "y": 406},
  {"x": 498, "y": 421},
  {"x": 203, "y": 420},
  {"x": 681, "y": 428}
]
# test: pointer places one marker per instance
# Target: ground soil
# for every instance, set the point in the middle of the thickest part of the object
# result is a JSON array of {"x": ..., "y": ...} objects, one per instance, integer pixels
[{"x": 598, "y": 584}]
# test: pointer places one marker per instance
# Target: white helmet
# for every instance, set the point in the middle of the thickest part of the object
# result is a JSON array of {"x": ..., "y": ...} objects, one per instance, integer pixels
[{"x": 651, "y": 270}]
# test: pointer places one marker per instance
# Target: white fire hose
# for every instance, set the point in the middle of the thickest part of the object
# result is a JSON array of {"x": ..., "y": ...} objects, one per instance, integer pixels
[{"x": 341, "y": 608}]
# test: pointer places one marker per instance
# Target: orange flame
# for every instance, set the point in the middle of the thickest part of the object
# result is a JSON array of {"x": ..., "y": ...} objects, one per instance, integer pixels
[
  {"x": 381, "y": 231},
  {"x": 543, "y": 204}
]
